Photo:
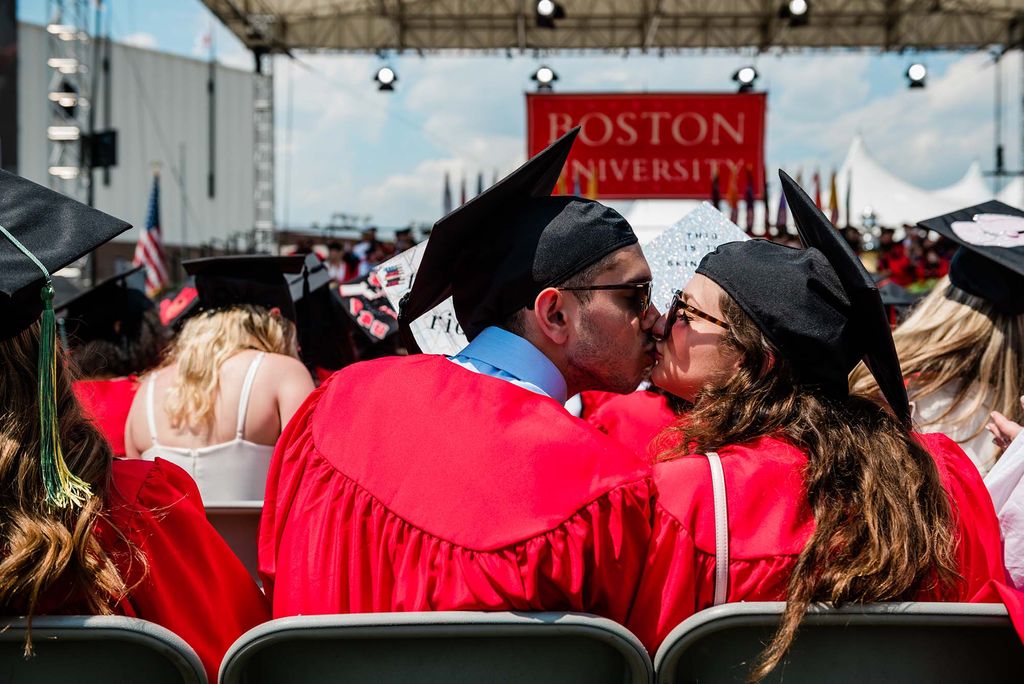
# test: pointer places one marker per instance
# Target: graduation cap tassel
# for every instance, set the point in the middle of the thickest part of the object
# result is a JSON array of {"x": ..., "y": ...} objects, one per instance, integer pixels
[{"x": 63, "y": 488}]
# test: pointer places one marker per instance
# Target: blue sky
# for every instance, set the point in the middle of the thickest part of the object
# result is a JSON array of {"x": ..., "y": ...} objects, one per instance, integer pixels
[{"x": 343, "y": 146}]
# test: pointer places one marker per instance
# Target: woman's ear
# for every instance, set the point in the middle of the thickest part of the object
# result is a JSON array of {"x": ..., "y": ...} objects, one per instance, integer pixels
[
  {"x": 549, "y": 315},
  {"x": 275, "y": 311},
  {"x": 769, "y": 363}
]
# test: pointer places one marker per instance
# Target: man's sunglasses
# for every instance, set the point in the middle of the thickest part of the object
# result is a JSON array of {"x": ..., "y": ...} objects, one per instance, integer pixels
[
  {"x": 643, "y": 289},
  {"x": 678, "y": 305}
]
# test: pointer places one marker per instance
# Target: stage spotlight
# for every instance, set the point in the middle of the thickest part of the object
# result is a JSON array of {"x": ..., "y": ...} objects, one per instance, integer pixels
[
  {"x": 796, "y": 11},
  {"x": 545, "y": 77},
  {"x": 916, "y": 75},
  {"x": 385, "y": 78},
  {"x": 745, "y": 77},
  {"x": 548, "y": 11}
]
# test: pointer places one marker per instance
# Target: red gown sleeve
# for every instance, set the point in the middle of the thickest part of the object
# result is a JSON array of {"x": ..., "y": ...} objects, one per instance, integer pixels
[
  {"x": 979, "y": 546},
  {"x": 107, "y": 403},
  {"x": 668, "y": 590},
  {"x": 592, "y": 562},
  {"x": 194, "y": 585}
]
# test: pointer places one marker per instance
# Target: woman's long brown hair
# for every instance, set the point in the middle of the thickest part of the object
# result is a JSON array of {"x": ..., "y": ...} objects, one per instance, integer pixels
[
  {"x": 884, "y": 528},
  {"x": 45, "y": 548}
]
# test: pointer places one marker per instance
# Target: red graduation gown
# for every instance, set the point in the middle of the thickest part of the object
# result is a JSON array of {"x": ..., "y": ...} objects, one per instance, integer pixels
[
  {"x": 194, "y": 585},
  {"x": 634, "y": 419},
  {"x": 592, "y": 400},
  {"x": 769, "y": 525},
  {"x": 407, "y": 484},
  {"x": 106, "y": 403}
]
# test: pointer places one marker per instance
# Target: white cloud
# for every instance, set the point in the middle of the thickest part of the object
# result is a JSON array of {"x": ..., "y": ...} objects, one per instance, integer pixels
[
  {"x": 236, "y": 57},
  {"x": 927, "y": 136},
  {"x": 141, "y": 39}
]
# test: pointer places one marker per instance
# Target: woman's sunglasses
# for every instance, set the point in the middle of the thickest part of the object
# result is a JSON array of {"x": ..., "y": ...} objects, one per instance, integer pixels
[
  {"x": 678, "y": 305},
  {"x": 643, "y": 290}
]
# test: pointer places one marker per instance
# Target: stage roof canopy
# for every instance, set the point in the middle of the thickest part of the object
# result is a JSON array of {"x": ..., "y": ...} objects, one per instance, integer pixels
[{"x": 499, "y": 25}]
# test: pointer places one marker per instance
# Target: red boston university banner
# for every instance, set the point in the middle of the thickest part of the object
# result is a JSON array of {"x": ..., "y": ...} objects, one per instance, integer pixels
[{"x": 640, "y": 145}]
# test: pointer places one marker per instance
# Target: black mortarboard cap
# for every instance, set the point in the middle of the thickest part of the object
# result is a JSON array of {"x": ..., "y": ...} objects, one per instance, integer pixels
[
  {"x": 319, "y": 319},
  {"x": 177, "y": 308},
  {"x": 495, "y": 253},
  {"x": 990, "y": 261},
  {"x": 893, "y": 294},
  {"x": 873, "y": 340},
  {"x": 256, "y": 279},
  {"x": 111, "y": 310},
  {"x": 64, "y": 289},
  {"x": 312, "y": 277},
  {"x": 818, "y": 305},
  {"x": 795, "y": 298},
  {"x": 56, "y": 229}
]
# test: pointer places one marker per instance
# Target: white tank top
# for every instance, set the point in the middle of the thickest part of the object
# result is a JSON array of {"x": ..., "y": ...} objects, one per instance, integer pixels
[{"x": 229, "y": 471}]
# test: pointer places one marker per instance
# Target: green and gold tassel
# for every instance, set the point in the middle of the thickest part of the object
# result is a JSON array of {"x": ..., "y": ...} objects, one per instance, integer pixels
[{"x": 63, "y": 488}]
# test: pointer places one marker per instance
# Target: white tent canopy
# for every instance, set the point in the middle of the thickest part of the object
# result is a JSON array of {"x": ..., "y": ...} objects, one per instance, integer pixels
[
  {"x": 891, "y": 201},
  {"x": 971, "y": 189},
  {"x": 1013, "y": 193}
]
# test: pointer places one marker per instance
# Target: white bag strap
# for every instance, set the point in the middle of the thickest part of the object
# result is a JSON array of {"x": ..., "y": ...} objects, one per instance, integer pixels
[
  {"x": 243, "y": 398},
  {"x": 721, "y": 528},
  {"x": 150, "y": 413}
]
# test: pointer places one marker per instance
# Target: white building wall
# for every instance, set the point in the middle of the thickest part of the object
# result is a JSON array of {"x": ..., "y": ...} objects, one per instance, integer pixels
[{"x": 159, "y": 104}]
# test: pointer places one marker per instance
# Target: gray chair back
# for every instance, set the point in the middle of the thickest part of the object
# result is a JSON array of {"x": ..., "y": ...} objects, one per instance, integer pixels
[
  {"x": 238, "y": 523},
  {"x": 96, "y": 649},
  {"x": 453, "y": 647},
  {"x": 885, "y": 642}
]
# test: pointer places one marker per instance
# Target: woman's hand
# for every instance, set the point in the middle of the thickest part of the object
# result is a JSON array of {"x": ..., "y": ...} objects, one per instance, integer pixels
[{"x": 1003, "y": 429}]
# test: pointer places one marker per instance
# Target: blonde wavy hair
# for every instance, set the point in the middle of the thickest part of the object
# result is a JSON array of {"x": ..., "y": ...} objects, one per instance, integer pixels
[
  {"x": 953, "y": 336},
  {"x": 48, "y": 549},
  {"x": 205, "y": 343}
]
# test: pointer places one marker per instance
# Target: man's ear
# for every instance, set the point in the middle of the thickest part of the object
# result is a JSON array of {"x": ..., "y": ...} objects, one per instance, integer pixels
[{"x": 549, "y": 315}]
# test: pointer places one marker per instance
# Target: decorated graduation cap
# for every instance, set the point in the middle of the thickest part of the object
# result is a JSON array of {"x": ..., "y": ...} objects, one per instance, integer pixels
[
  {"x": 174, "y": 309},
  {"x": 112, "y": 310},
  {"x": 818, "y": 305},
  {"x": 495, "y": 253},
  {"x": 42, "y": 231},
  {"x": 990, "y": 261},
  {"x": 258, "y": 279},
  {"x": 319, "y": 319},
  {"x": 312, "y": 277}
]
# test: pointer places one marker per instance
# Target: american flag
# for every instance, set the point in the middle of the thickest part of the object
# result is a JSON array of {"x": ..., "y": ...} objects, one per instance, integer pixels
[{"x": 149, "y": 251}]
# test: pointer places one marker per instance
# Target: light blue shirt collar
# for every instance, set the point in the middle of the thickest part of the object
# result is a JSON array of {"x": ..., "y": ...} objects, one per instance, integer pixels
[{"x": 515, "y": 359}]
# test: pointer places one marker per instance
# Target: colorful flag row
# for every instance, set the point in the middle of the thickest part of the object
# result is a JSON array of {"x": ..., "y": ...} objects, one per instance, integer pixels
[
  {"x": 446, "y": 197},
  {"x": 732, "y": 199}
]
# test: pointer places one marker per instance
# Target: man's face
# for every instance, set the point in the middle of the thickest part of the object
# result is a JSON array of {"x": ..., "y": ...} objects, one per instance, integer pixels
[{"x": 612, "y": 349}]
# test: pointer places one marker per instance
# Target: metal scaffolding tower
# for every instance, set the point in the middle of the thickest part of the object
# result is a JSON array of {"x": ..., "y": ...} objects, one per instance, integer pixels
[
  {"x": 264, "y": 233},
  {"x": 69, "y": 95}
]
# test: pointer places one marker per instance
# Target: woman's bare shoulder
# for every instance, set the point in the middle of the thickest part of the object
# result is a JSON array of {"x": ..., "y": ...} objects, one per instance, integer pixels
[
  {"x": 286, "y": 371},
  {"x": 284, "y": 363}
]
